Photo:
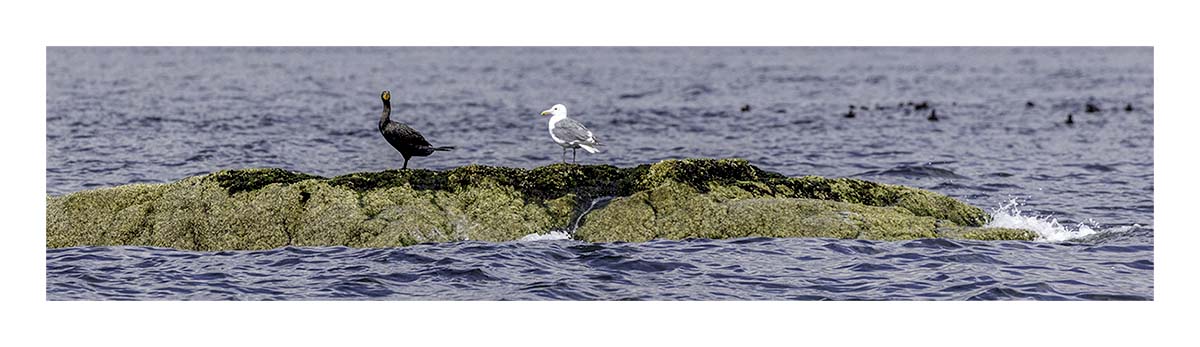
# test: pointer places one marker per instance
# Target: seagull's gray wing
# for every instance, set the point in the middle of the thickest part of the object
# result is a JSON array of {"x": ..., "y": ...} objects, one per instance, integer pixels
[{"x": 572, "y": 132}]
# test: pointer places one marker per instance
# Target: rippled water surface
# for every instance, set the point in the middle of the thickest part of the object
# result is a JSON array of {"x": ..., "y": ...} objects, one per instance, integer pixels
[
  {"x": 740, "y": 269},
  {"x": 125, "y": 115}
]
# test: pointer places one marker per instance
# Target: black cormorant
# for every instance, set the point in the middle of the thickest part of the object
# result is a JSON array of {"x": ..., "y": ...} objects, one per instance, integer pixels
[{"x": 403, "y": 138}]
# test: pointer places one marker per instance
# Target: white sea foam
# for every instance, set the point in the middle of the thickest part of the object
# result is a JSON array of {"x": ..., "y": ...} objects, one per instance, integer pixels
[
  {"x": 565, "y": 234},
  {"x": 552, "y": 235},
  {"x": 1009, "y": 215}
]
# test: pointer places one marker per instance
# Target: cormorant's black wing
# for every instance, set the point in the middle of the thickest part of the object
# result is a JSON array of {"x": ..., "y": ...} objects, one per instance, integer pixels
[{"x": 398, "y": 133}]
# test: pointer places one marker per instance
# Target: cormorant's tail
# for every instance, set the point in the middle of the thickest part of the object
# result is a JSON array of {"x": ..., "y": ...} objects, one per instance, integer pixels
[{"x": 443, "y": 148}]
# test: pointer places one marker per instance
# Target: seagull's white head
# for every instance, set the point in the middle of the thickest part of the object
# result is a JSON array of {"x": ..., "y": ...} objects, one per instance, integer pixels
[{"x": 557, "y": 110}]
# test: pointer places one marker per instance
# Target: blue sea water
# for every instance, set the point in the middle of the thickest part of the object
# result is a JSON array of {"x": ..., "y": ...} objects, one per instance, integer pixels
[{"x": 124, "y": 115}]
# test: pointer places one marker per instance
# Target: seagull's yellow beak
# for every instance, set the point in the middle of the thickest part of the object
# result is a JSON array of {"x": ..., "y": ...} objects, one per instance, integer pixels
[{"x": 546, "y": 112}]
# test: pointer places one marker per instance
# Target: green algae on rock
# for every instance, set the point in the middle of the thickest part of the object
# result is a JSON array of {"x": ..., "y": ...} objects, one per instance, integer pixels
[
  {"x": 676, "y": 211},
  {"x": 690, "y": 198},
  {"x": 986, "y": 234}
]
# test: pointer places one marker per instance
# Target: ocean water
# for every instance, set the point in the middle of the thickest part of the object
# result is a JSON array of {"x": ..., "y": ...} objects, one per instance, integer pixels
[{"x": 125, "y": 115}]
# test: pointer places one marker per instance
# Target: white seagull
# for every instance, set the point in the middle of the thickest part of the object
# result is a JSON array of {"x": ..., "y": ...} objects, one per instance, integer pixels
[{"x": 568, "y": 133}]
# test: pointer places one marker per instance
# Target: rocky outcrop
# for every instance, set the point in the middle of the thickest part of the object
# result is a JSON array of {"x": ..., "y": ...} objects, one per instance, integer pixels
[{"x": 692, "y": 198}]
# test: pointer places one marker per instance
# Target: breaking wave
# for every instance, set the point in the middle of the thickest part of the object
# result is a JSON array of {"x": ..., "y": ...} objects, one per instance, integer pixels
[{"x": 1048, "y": 228}]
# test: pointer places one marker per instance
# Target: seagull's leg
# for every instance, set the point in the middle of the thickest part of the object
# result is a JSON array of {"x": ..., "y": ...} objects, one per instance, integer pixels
[
  {"x": 405, "y": 164},
  {"x": 564, "y": 155},
  {"x": 573, "y": 156}
]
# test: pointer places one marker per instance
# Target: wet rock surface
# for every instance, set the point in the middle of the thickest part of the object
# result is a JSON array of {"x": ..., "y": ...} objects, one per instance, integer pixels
[{"x": 671, "y": 199}]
